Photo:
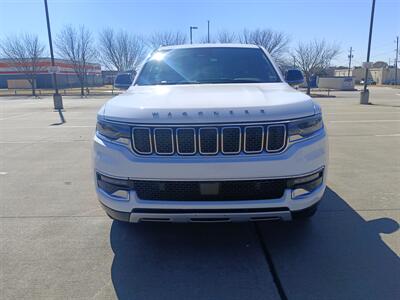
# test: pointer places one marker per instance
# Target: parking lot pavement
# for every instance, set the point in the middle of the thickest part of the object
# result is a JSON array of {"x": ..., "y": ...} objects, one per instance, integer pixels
[{"x": 56, "y": 243}]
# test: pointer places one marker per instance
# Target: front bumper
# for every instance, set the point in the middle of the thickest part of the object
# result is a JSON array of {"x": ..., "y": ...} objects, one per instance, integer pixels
[{"x": 301, "y": 158}]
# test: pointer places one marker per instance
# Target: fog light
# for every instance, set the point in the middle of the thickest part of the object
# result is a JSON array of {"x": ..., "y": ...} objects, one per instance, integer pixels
[
  {"x": 121, "y": 194},
  {"x": 302, "y": 186},
  {"x": 115, "y": 187}
]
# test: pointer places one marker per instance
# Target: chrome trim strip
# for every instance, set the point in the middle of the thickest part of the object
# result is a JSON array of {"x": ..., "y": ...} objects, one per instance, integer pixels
[
  {"x": 219, "y": 179},
  {"x": 285, "y": 142},
  {"x": 214, "y": 124},
  {"x": 222, "y": 140},
  {"x": 194, "y": 140},
  {"x": 133, "y": 141},
  {"x": 217, "y": 148},
  {"x": 155, "y": 141},
  {"x": 262, "y": 139},
  {"x": 219, "y": 217}
]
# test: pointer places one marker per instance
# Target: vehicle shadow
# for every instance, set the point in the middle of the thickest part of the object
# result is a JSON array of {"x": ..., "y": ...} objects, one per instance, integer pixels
[
  {"x": 336, "y": 255},
  {"x": 189, "y": 261}
]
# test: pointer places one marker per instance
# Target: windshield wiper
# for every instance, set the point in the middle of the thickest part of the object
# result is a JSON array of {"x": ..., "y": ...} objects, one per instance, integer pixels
[
  {"x": 244, "y": 80},
  {"x": 232, "y": 80},
  {"x": 177, "y": 82}
]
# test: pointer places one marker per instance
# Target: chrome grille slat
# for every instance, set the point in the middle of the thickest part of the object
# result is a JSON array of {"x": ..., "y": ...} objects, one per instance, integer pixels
[
  {"x": 163, "y": 141},
  {"x": 253, "y": 139},
  {"x": 209, "y": 140},
  {"x": 231, "y": 141},
  {"x": 186, "y": 145},
  {"x": 141, "y": 140},
  {"x": 276, "y": 138}
]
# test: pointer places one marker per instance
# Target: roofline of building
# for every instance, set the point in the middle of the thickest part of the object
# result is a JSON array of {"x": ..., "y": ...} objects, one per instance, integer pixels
[{"x": 49, "y": 59}]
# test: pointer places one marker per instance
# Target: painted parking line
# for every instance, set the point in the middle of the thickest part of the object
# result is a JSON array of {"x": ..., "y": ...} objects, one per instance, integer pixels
[
  {"x": 17, "y": 116},
  {"x": 397, "y": 111},
  {"x": 388, "y": 135},
  {"x": 72, "y": 126},
  {"x": 365, "y": 121},
  {"x": 49, "y": 141}
]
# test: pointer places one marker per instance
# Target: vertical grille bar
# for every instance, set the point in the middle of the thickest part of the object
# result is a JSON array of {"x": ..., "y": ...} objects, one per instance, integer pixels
[
  {"x": 253, "y": 139},
  {"x": 208, "y": 140},
  {"x": 186, "y": 141},
  {"x": 141, "y": 140},
  {"x": 231, "y": 139},
  {"x": 276, "y": 137},
  {"x": 163, "y": 141}
]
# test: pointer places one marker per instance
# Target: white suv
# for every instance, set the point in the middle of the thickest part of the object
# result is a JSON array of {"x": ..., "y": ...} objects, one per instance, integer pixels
[{"x": 210, "y": 133}]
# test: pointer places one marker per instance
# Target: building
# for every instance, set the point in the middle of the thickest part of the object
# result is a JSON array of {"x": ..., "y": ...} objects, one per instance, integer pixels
[
  {"x": 108, "y": 76},
  {"x": 341, "y": 83},
  {"x": 11, "y": 76},
  {"x": 381, "y": 75}
]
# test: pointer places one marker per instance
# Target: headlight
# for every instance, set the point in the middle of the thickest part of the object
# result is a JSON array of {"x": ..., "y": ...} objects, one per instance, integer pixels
[
  {"x": 304, "y": 127},
  {"x": 114, "y": 132}
]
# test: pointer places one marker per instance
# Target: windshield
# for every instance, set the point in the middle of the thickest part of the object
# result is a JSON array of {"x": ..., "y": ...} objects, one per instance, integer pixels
[{"x": 208, "y": 65}]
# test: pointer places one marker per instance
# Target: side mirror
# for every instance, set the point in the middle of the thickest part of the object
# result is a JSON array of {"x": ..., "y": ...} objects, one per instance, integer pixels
[{"x": 294, "y": 77}]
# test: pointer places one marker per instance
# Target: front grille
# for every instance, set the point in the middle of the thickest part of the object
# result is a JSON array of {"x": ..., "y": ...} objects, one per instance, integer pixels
[
  {"x": 208, "y": 140},
  {"x": 210, "y": 191}
]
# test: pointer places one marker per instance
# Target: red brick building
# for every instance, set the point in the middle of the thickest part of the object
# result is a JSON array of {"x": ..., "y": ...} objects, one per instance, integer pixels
[{"x": 12, "y": 75}]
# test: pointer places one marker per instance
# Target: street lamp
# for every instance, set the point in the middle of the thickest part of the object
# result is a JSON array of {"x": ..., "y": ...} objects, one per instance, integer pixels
[
  {"x": 57, "y": 98},
  {"x": 191, "y": 33},
  {"x": 364, "y": 96}
]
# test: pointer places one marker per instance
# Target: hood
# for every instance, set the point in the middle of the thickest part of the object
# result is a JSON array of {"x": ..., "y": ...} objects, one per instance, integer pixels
[{"x": 209, "y": 103}]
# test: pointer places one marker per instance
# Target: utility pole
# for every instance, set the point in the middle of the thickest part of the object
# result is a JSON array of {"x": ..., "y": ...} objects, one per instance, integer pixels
[
  {"x": 208, "y": 31},
  {"x": 397, "y": 58},
  {"x": 350, "y": 56},
  {"x": 191, "y": 33},
  {"x": 57, "y": 98},
  {"x": 364, "y": 96}
]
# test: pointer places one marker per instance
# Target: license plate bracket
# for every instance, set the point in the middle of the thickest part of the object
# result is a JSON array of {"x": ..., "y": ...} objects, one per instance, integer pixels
[{"x": 209, "y": 188}]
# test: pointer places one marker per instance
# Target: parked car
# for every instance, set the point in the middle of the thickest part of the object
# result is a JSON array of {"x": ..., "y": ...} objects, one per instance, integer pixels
[
  {"x": 210, "y": 133},
  {"x": 123, "y": 81},
  {"x": 369, "y": 81}
]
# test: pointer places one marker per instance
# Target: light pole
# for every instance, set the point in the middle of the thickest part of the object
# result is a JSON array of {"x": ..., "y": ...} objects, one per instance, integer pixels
[
  {"x": 191, "y": 33},
  {"x": 364, "y": 96},
  {"x": 397, "y": 59},
  {"x": 208, "y": 31},
  {"x": 57, "y": 98}
]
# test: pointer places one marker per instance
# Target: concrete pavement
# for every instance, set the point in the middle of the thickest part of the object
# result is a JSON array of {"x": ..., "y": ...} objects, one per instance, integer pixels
[{"x": 56, "y": 242}]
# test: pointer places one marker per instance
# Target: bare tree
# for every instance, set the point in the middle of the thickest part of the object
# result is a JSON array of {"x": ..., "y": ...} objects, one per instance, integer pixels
[
  {"x": 225, "y": 36},
  {"x": 313, "y": 58},
  {"x": 24, "y": 52},
  {"x": 77, "y": 45},
  {"x": 120, "y": 51},
  {"x": 166, "y": 38},
  {"x": 275, "y": 42},
  {"x": 204, "y": 39}
]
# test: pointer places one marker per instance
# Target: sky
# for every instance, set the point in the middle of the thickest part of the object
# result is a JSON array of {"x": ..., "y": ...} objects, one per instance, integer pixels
[{"x": 345, "y": 22}]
